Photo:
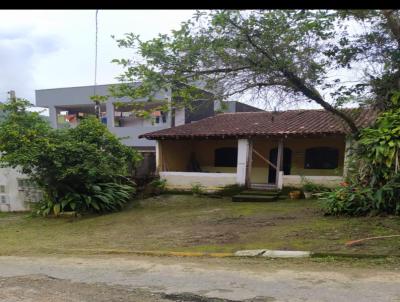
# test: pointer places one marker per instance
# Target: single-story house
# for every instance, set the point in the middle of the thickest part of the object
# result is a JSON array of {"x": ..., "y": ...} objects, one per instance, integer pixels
[{"x": 247, "y": 148}]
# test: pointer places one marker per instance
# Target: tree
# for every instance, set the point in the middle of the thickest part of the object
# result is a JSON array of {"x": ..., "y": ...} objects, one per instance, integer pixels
[
  {"x": 82, "y": 168},
  {"x": 292, "y": 53}
]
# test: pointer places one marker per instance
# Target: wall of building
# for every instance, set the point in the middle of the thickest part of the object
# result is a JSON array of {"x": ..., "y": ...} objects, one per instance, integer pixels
[
  {"x": 298, "y": 146},
  {"x": 296, "y": 180},
  {"x": 176, "y": 155},
  {"x": 15, "y": 195},
  {"x": 185, "y": 180}
]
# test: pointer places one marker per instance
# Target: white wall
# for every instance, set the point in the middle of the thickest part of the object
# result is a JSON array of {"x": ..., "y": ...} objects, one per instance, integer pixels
[
  {"x": 179, "y": 117},
  {"x": 16, "y": 198},
  {"x": 295, "y": 180},
  {"x": 211, "y": 181}
]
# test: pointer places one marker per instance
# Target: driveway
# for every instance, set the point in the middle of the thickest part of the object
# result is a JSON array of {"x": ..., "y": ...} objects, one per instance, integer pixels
[{"x": 148, "y": 279}]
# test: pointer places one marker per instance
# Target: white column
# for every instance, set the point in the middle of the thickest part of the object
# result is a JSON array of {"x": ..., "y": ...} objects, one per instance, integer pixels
[
  {"x": 249, "y": 164},
  {"x": 242, "y": 162},
  {"x": 158, "y": 157},
  {"x": 53, "y": 116},
  {"x": 279, "y": 162},
  {"x": 347, "y": 152},
  {"x": 110, "y": 115}
]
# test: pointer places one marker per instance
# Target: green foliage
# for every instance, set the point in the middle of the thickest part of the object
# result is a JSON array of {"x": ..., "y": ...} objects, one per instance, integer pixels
[
  {"x": 379, "y": 147},
  {"x": 67, "y": 164},
  {"x": 270, "y": 54},
  {"x": 309, "y": 186},
  {"x": 374, "y": 183},
  {"x": 157, "y": 186},
  {"x": 197, "y": 189},
  {"x": 99, "y": 197},
  {"x": 357, "y": 200}
]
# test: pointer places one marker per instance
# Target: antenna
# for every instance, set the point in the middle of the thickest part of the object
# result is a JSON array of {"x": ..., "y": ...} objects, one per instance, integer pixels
[
  {"x": 97, "y": 102},
  {"x": 95, "y": 53}
]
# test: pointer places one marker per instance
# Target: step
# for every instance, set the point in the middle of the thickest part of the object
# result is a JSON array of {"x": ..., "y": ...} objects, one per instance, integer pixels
[
  {"x": 263, "y": 186},
  {"x": 260, "y": 192},
  {"x": 254, "y": 198}
]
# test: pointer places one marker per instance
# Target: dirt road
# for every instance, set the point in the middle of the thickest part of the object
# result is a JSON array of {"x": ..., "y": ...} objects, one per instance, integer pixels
[{"x": 150, "y": 279}]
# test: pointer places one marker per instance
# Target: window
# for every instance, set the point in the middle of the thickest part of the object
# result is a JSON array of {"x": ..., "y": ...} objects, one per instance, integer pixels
[
  {"x": 225, "y": 157},
  {"x": 2, "y": 189},
  {"x": 321, "y": 158},
  {"x": 162, "y": 116}
]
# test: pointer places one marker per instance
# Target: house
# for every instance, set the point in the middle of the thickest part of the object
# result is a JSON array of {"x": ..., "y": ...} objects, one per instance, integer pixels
[
  {"x": 67, "y": 105},
  {"x": 248, "y": 148}
]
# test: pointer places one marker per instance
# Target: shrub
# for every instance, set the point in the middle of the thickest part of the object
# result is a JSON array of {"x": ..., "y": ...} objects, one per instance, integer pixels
[
  {"x": 82, "y": 167},
  {"x": 99, "y": 198},
  {"x": 309, "y": 186},
  {"x": 373, "y": 185},
  {"x": 157, "y": 186},
  {"x": 197, "y": 189},
  {"x": 357, "y": 200}
]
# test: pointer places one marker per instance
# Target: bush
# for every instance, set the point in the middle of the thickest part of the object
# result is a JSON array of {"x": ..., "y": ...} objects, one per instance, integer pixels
[
  {"x": 309, "y": 186},
  {"x": 357, "y": 200},
  {"x": 157, "y": 186},
  {"x": 197, "y": 189},
  {"x": 99, "y": 198},
  {"x": 373, "y": 185},
  {"x": 82, "y": 168}
]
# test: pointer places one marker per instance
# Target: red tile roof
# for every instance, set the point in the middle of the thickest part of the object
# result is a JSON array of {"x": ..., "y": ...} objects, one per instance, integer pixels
[{"x": 252, "y": 124}]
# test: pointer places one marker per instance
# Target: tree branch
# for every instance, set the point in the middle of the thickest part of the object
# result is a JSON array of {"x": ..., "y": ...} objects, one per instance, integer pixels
[
  {"x": 299, "y": 84},
  {"x": 393, "y": 23}
]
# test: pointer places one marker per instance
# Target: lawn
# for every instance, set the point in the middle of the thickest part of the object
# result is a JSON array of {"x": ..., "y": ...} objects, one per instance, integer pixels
[{"x": 188, "y": 223}]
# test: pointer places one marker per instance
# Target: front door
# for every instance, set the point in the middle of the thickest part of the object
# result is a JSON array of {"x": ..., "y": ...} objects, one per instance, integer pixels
[{"x": 287, "y": 162}]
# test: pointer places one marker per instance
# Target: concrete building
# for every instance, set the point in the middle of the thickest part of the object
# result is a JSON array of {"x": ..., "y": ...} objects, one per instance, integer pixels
[{"x": 67, "y": 105}]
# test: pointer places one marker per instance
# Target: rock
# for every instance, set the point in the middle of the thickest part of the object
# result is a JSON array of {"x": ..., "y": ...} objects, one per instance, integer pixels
[{"x": 249, "y": 253}]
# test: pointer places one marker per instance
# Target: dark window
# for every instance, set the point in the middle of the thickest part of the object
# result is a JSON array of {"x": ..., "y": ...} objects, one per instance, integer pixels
[
  {"x": 226, "y": 157},
  {"x": 163, "y": 117},
  {"x": 321, "y": 158}
]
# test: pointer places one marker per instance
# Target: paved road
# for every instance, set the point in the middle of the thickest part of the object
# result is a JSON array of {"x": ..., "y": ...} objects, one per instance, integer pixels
[{"x": 150, "y": 279}]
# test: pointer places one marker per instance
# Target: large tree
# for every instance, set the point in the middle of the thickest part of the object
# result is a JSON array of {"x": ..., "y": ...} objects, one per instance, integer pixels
[{"x": 297, "y": 55}]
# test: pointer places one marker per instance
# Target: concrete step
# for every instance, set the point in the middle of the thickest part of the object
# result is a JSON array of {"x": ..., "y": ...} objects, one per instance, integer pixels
[
  {"x": 263, "y": 186},
  {"x": 254, "y": 198},
  {"x": 260, "y": 192}
]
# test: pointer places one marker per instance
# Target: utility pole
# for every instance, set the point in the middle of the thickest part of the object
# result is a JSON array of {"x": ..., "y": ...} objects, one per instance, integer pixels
[{"x": 12, "y": 95}]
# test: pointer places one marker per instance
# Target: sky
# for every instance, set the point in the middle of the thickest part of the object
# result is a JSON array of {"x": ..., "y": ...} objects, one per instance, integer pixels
[{"x": 42, "y": 49}]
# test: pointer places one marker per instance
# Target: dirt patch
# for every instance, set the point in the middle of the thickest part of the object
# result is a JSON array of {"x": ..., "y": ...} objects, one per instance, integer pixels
[
  {"x": 244, "y": 221},
  {"x": 212, "y": 237}
]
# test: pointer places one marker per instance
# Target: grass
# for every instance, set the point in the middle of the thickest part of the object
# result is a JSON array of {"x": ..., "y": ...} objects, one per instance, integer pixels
[{"x": 197, "y": 224}]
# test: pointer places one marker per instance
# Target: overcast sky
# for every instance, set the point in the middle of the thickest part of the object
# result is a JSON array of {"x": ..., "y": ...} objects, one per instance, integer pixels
[{"x": 42, "y": 49}]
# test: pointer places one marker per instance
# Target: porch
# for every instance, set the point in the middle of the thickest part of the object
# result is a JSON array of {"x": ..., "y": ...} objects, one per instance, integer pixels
[{"x": 252, "y": 162}]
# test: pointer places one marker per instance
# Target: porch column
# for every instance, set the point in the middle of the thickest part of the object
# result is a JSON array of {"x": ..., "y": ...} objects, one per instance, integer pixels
[
  {"x": 279, "y": 164},
  {"x": 110, "y": 114},
  {"x": 158, "y": 157},
  {"x": 347, "y": 153},
  {"x": 243, "y": 167},
  {"x": 53, "y": 116}
]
